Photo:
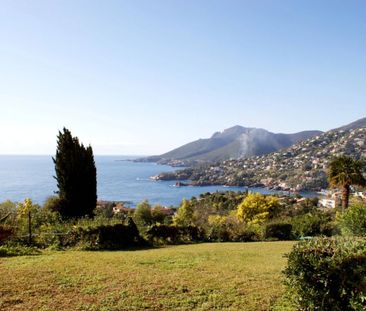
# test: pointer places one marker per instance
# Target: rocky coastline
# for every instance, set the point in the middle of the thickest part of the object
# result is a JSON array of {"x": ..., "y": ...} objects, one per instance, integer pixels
[{"x": 302, "y": 167}]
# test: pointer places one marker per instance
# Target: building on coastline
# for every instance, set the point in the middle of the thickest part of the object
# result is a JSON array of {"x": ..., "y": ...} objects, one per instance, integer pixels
[
  {"x": 331, "y": 199},
  {"x": 328, "y": 203}
]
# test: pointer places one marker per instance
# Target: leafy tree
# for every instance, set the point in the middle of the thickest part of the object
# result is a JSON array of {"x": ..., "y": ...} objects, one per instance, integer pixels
[
  {"x": 76, "y": 176},
  {"x": 257, "y": 208},
  {"x": 184, "y": 215},
  {"x": 142, "y": 215},
  {"x": 7, "y": 212},
  {"x": 344, "y": 171},
  {"x": 158, "y": 214},
  {"x": 219, "y": 227}
]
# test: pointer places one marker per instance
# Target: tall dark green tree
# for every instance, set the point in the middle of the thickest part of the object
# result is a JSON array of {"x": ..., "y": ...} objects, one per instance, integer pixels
[
  {"x": 343, "y": 172},
  {"x": 76, "y": 176}
]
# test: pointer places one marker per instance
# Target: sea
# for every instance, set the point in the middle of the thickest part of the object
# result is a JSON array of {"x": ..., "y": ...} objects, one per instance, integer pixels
[{"x": 118, "y": 179}]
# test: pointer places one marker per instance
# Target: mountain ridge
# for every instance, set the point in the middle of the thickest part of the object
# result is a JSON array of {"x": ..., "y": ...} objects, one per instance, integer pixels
[
  {"x": 232, "y": 143},
  {"x": 299, "y": 167}
]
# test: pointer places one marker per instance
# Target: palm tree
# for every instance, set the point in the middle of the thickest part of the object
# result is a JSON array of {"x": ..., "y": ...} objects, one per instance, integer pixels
[{"x": 344, "y": 171}]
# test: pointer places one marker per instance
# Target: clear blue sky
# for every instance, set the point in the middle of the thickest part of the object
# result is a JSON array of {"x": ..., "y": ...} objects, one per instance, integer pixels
[{"x": 143, "y": 77}]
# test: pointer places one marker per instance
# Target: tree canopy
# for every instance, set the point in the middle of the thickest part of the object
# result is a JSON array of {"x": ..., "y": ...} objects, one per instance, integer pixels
[
  {"x": 257, "y": 208},
  {"x": 76, "y": 176},
  {"x": 184, "y": 215}
]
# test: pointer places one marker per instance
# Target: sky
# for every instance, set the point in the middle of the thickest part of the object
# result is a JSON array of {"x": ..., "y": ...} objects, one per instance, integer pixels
[{"x": 143, "y": 77}]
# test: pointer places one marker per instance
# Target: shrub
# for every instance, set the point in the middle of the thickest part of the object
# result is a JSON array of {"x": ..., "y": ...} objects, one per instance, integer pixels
[
  {"x": 353, "y": 220},
  {"x": 117, "y": 236},
  {"x": 328, "y": 274},
  {"x": 17, "y": 250},
  {"x": 6, "y": 232},
  {"x": 53, "y": 203},
  {"x": 280, "y": 231},
  {"x": 312, "y": 224},
  {"x": 219, "y": 228},
  {"x": 245, "y": 233},
  {"x": 50, "y": 235},
  {"x": 42, "y": 222},
  {"x": 174, "y": 234}
]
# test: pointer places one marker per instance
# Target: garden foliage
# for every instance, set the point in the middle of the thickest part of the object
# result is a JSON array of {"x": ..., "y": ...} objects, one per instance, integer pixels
[
  {"x": 173, "y": 234},
  {"x": 328, "y": 274},
  {"x": 117, "y": 236},
  {"x": 353, "y": 220}
]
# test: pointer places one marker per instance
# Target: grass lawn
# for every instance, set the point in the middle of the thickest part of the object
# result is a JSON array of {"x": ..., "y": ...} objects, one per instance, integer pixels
[{"x": 216, "y": 276}]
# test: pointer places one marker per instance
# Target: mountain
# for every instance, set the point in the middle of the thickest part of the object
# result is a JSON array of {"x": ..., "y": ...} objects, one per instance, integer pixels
[
  {"x": 354, "y": 125},
  {"x": 232, "y": 143},
  {"x": 301, "y": 166}
]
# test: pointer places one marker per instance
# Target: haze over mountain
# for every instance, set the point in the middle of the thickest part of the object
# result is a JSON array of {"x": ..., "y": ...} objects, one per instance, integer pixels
[{"x": 232, "y": 143}]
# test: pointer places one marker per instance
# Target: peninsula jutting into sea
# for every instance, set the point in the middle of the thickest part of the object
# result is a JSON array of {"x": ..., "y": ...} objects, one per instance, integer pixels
[{"x": 299, "y": 167}]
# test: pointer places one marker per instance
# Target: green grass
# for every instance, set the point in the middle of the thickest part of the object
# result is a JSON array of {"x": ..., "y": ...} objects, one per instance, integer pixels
[{"x": 217, "y": 276}]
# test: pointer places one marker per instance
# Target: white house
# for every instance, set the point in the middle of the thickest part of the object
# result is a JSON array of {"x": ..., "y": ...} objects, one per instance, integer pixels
[{"x": 328, "y": 203}]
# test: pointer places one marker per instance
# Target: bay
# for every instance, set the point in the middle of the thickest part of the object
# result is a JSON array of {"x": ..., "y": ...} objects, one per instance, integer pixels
[{"x": 23, "y": 176}]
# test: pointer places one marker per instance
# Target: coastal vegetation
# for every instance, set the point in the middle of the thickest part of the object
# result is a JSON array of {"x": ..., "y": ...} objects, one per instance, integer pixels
[{"x": 211, "y": 217}]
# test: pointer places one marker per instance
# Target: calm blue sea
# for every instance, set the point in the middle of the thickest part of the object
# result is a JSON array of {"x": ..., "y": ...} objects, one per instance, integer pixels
[{"x": 119, "y": 180}]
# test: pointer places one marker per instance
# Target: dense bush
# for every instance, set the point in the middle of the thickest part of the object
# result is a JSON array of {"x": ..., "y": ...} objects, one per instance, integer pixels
[
  {"x": 53, "y": 203},
  {"x": 353, "y": 220},
  {"x": 246, "y": 234},
  {"x": 219, "y": 228},
  {"x": 279, "y": 231},
  {"x": 328, "y": 274},
  {"x": 6, "y": 232},
  {"x": 117, "y": 236},
  {"x": 146, "y": 216},
  {"x": 43, "y": 222},
  {"x": 313, "y": 224},
  {"x": 173, "y": 234}
]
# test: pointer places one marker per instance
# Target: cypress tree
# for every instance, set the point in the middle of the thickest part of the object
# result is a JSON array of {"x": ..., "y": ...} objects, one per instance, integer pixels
[{"x": 76, "y": 176}]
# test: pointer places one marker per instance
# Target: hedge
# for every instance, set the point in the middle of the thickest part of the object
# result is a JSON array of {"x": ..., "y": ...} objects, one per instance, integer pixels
[{"x": 328, "y": 274}]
